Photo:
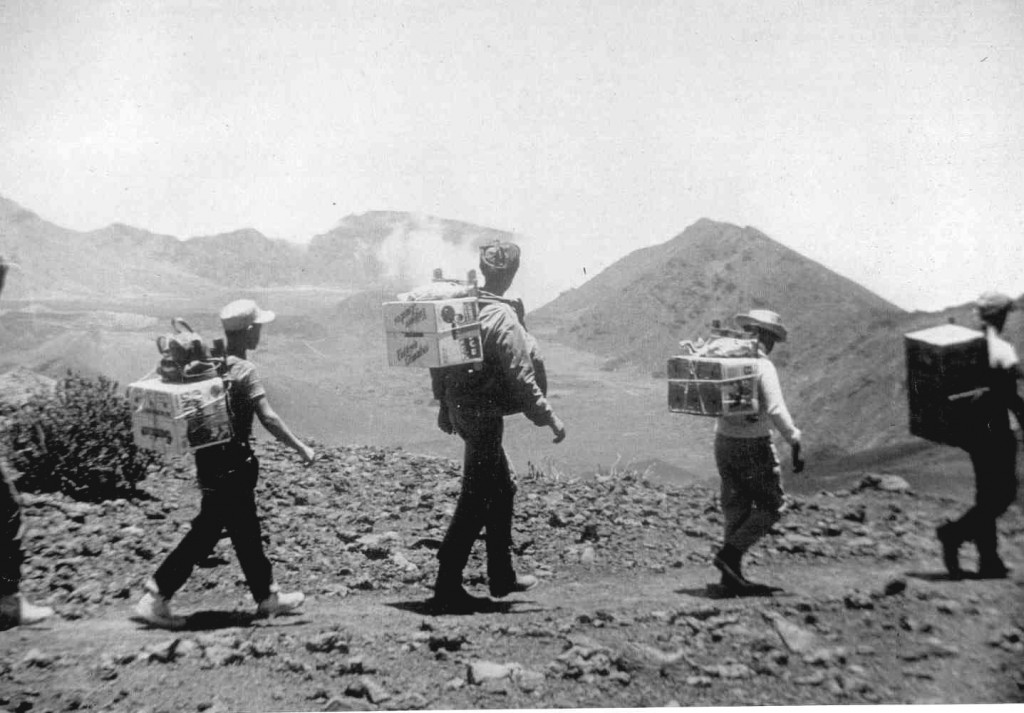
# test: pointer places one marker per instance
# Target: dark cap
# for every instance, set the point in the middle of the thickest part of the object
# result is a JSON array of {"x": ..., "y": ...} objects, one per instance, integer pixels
[
  {"x": 993, "y": 303},
  {"x": 499, "y": 257}
]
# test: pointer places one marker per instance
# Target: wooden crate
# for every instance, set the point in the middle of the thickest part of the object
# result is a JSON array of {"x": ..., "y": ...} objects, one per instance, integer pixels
[
  {"x": 713, "y": 386},
  {"x": 946, "y": 366}
]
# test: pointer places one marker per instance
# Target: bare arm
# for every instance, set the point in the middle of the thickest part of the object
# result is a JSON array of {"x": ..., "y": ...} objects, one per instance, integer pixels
[
  {"x": 279, "y": 430},
  {"x": 1016, "y": 403}
]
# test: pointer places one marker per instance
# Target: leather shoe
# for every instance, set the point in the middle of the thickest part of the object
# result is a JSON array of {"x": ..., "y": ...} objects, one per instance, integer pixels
[
  {"x": 731, "y": 577},
  {"x": 521, "y": 584},
  {"x": 993, "y": 570}
]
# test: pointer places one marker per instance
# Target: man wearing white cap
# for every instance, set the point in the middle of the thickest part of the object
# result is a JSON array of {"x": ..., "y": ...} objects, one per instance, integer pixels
[
  {"x": 992, "y": 447},
  {"x": 751, "y": 495},
  {"x": 227, "y": 477}
]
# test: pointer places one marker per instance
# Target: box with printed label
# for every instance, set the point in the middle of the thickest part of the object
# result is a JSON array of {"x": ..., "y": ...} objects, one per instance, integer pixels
[
  {"x": 176, "y": 419},
  {"x": 713, "y": 386},
  {"x": 947, "y": 366},
  {"x": 433, "y": 316},
  {"x": 419, "y": 349}
]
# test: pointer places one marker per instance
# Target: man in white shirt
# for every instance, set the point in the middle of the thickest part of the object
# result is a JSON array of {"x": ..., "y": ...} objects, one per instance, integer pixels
[
  {"x": 751, "y": 495},
  {"x": 992, "y": 446}
]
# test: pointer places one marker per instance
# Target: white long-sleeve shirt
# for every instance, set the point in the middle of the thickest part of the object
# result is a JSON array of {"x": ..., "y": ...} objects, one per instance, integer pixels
[{"x": 772, "y": 410}]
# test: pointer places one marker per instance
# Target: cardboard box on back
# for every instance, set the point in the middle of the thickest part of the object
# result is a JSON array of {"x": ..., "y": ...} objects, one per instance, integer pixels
[
  {"x": 433, "y": 316},
  {"x": 177, "y": 419},
  {"x": 433, "y": 333},
  {"x": 713, "y": 386},
  {"x": 946, "y": 366},
  {"x": 417, "y": 349}
]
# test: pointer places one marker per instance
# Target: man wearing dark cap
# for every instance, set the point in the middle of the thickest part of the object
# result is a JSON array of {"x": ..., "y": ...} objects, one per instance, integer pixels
[
  {"x": 15, "y": 610},
  {"x": 227, "y": 477},
  {"x": 473, "y": 405},
  {"x": 751, "y": 495},
  {"x": 992, "y": 447}
]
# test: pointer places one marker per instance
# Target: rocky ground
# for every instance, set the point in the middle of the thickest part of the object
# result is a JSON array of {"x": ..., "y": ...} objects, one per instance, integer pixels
[{"x": 626, "y": 615}]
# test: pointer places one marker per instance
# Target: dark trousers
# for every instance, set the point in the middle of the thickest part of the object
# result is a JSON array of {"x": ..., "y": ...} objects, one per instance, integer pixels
[
  {"x": 11, "y": 532},
  {"x": 751, "y": 494},
  {"x": 228, "y": 503},
  {"x": 486, "y": 501},
  {"x": 994, "y": 458}
]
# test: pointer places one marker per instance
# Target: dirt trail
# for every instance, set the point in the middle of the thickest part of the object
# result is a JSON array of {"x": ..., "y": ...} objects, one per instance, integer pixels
[
  {"x": 885, "y": 647},
  {"x": 624, "y": 615}
]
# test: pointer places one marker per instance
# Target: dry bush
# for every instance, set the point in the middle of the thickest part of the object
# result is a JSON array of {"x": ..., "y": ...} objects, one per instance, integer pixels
[{"x": 77, "y": 440}]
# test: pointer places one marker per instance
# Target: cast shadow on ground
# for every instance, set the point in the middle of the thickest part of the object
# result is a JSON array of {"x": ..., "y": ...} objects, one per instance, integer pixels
[
  {"x": 717, "y": 591},
  {"x": 213, "y": 619},
  {"x": 937, "y": 576},
  {"x": 426, "y": 607}
]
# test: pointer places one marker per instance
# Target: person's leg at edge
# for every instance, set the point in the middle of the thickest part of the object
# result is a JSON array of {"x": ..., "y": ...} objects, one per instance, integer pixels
[{"x": 15, "y": 610}]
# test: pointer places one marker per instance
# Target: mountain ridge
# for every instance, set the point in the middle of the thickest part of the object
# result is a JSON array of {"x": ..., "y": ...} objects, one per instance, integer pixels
[
  {"x": 842, "y": 368},
  {"x": 362, "y": 250}
]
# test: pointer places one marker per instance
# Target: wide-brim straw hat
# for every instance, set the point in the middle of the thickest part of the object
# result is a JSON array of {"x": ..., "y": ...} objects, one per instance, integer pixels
[{"x": 763, "y": 319}]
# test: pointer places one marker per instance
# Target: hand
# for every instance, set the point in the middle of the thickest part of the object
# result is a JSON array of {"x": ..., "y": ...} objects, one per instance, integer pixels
[
  {"x": 444, "y": 422},
  {"x": 558, "y": 428},
  {"x": 798, "y": 462}
]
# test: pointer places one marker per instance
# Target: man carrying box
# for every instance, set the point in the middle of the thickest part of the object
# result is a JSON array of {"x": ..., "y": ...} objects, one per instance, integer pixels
[
  {"x": 227, "y": 475},
  {"x": 473, "y": 404},
  {"x": 751, "y": 495},
  {"x": 15, "y": 610},
  {"x": 992, "y": 447}
]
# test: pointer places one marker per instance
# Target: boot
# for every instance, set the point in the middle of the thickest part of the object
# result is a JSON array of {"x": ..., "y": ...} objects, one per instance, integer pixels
[
  {"x": 990, "y": 565},
  {"x": 450, "y": 597},
  {"x": 154, "y": 609},
  {"x": 950, "y": 550},
  {"x": 15, "y": 610},
  {"x": 279, "y": 603},
  {"x": 727, "y": 560},
  {"x": 993, "y": 569}
]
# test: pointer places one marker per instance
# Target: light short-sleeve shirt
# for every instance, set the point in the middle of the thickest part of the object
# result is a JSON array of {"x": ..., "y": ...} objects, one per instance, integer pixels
[{"x": 246, "y": 390}]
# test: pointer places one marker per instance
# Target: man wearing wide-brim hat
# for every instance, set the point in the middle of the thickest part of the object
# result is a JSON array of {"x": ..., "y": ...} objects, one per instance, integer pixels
[
  {"x": 992, "y": 447},
  {"x": 751, "y": 495}
]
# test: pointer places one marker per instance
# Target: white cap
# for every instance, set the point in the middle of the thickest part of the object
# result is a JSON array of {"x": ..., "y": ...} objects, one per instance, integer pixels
[{"x": 242, "y": 314}]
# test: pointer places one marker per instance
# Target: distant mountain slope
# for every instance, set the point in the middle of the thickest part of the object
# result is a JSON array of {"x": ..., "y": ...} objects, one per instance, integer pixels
[
  {"x": 52, "y": 262},
  {"x": 640, "y": 307},
  {"x": 390, "y": 246},
  {"x": 376, "y": 249},
  {"x": 842, "y": 368}
]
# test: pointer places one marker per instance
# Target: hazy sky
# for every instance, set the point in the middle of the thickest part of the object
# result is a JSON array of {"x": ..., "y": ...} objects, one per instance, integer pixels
[{"x": 884, "y": 140}]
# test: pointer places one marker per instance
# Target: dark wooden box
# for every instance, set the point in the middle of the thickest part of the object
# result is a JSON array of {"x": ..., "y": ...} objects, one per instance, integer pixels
[{"x": 946, "y": 366}]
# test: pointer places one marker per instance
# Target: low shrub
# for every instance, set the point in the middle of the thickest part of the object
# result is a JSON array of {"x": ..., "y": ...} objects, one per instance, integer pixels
[{"x": 77, "y": 440}]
